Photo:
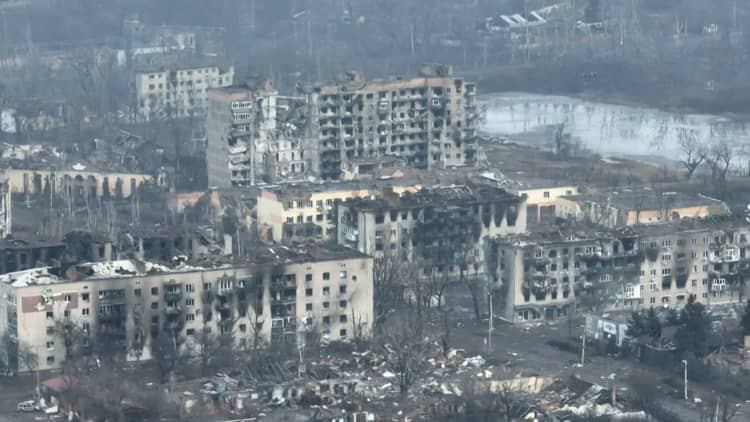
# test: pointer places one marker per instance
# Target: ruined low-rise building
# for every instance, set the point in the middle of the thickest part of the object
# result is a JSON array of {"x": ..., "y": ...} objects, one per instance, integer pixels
[
  {"x": 76, "y": 180},
  {"x": 254, "y": 136},
  {"x": 636, "y": 206},
  {"x": 273, "y": 296},
  {"x": 17, "y": 254}
]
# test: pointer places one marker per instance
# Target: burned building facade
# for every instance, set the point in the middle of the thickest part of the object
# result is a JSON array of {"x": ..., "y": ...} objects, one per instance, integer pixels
[
  {"x": 254, "y": 135},
  {"x": 308, "y": 211},
  {"x": 441, "y": 228},
  {"x": 276, "y": 296},
  {"x": 431, "y": 120},
  {"x": 541, "y": 275},
  {"x": 706, "y": 258}
]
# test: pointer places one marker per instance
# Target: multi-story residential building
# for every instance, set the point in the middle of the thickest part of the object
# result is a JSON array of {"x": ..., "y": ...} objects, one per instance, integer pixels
[
  {"x": 240, "y": 120},
  {"x": 180, "y": 92},
  {"x": 6, "y": 207},
  {"x": 430, "y": 120},
  {"x": 254, "y": 135},
  {"x": 274, "y": 296},
  {"x": 706, "y": 258},
  {"x": 540, "y": 275},
  {"x": 308, "y": 210},
  {"x": 442, "y": 229},
  {"x": 637, "y": 206}
]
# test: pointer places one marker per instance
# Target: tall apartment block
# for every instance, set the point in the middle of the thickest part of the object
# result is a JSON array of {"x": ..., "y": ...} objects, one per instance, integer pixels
[
  {"x": 240, "y": 121},
  {"x": 254, "y": 135},
  {"x": 6, "y": 207},
  {"x": 177, "y": 93},
  {"x": 430, "y": 120}
]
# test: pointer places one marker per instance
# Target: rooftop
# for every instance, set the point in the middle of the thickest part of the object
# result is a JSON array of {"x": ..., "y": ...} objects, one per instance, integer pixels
[
  {"x": 584, "y": 232},
  {"x": 453, "y": 195},
  {"x": 183, "y": 64},
  {"x": 401, "y": 178},
  {"x": 11, "y": 243},
  {"x": 128, "y": 268},
  {"x": 545, "y": 235},
  {"x": 45, "y": 157},
  {"x": 647, "y": 199},
  {"x": 521, "y": 181},
  {"x": 688, "y": 225}
]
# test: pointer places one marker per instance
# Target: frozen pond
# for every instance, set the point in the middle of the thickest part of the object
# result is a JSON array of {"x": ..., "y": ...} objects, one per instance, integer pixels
[{"x": 604, "y": 128}]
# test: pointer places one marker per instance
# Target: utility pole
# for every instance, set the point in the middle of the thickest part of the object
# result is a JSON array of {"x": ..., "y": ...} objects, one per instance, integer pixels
[
  {"x": 412, "y": 39},
  {"x": 490, "y": 327},
  {"x": 309, "y": 35},
  {"x": 583, "y": 346},
  {"x": 684, "y": 363},
  {"x": 526, "y": 15},
  {"x": 252, "y": 15}
]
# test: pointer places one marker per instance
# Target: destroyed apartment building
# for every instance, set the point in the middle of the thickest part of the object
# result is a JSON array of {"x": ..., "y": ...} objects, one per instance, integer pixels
[
  {"x": 274, "y": 295},
  {"x": 430, "y": 120},
  {"x": 254, "y": 135},
  {"x": 340, "y": 130},
  {"x": 442, "y": 228},
  {"x": 542, "y": 274}
]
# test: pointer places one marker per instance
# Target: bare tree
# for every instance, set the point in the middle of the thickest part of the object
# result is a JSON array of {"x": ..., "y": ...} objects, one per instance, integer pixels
[
  {"x": 719, "y": 159},
  {"x": 693, "y": 152},
  {"x": 406, "y": 348},
  {"x": 137, "y": 342},
  {"x": 388, "y": 283},
  {"x": 75, "y": 342},
  {"x": 27, "y": 358},
  {"x": 511, "y": 401},
  {"x": 720, "y": 408},
  {"x": 165, "y": 350},
  {"x": 213, "y": 350}
]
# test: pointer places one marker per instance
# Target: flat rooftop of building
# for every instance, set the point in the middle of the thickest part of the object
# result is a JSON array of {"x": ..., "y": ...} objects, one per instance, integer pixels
[
  {"x": 582, "y": 232},
  {"x": 403, "y": 177},
  {"x": 520, "y": 181},
  {"x": 437, "y": 196},
  {"x": 687, "y": 225},
  {"x": 646, "y": 199},
  {"x": 183, "y": 64},
  {"x": 129, "y": 268},
  {"x": 542, "y": 235},
  {"x": 21, "y": 243}
]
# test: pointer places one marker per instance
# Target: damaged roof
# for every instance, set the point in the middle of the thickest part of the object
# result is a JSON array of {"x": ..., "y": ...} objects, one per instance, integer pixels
[
  {"x": 444, "y": 196},
  {"x": 647, "y": 199}
]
